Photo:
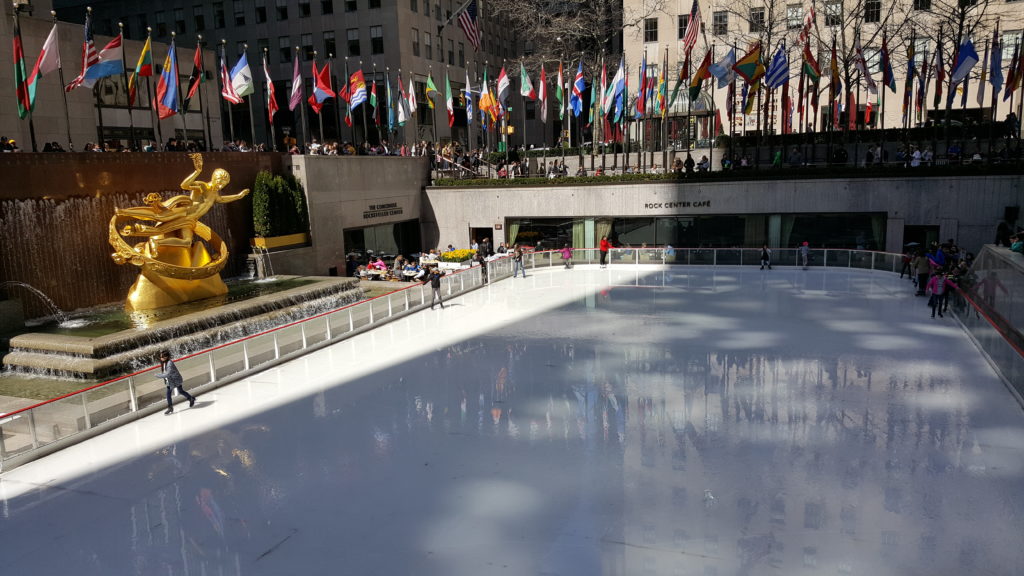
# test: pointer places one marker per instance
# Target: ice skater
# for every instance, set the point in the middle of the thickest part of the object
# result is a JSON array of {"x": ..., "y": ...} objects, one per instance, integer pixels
[
  {"x": 434, "y": 278},
  {"x": 805, "y": 254},
  {"x": 604, "y": 247},
  {"x": 766, "y": 257},
  {"x": 567, "y": 256},
  {"x": 172, "y": 379},
  {"x": 939, "y": 287},
  {"x": 517, "y": 261}
]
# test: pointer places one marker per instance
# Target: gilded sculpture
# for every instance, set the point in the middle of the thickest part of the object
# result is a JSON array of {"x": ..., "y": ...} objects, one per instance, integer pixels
[{"x": 181, "y": 258}]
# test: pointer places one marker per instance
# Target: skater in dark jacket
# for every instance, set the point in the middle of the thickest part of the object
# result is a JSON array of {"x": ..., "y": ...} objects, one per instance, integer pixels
[
  {"x": 434, "y": 278},
  {"x": 172, "y": 379}
]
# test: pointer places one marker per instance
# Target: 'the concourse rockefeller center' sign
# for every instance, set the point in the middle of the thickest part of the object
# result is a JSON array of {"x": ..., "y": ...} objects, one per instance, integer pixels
[{"x": 382, "y": 210}]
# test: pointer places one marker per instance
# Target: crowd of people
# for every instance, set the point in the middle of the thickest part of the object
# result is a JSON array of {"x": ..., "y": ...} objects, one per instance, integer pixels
[{"x": 937, "y": 272}]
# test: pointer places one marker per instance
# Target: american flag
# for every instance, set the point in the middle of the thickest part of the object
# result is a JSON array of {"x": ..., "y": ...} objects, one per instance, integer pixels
[
  {"x": 692, "y": 27},
  {"x": 467, "y": 21},
  {"x": 89, "y": 55}
]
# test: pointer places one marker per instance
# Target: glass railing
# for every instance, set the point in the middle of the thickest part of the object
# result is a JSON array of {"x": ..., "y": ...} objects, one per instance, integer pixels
[{"x": 37, "y": 430}]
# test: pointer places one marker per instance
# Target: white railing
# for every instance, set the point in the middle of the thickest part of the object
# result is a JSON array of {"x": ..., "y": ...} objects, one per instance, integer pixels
[{"x": 35, "y": 431}]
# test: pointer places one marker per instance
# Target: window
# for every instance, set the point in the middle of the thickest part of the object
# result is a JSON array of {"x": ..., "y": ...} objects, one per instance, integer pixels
[
  {"x": 374, "y": 3},
  {"x": 720, "y": 23},
  {"x": 143, "y": 24},
  {"x": 330, "y": 46},
  {"x": 179, "y": 20},
  {"x": 873, "y": 59},
  {"x": 794, "y": 16},
  {"x": 872, "y": 10},
  {"x": 376, "y": 39},
  {"x": 414, "y": 5},
  {"x": 651, "y": 30},
  {"x": 306, "y": 40},
  {"x": 218, "y": 14},
  {"x": 239, "y": 13},
  {"x": 282, "y": 9},
  {"x": 263, "y": 47},
  {"x": 415, "y": 42},
  {"x": 440, "y": 49},
  {"x": 284, "y": 48},
  {"x": 1011, "y": 38},
  {"x": 451, "y": 53},
  {"x": 437, "y": 11},
  {"x": 427, "y": 50},
  {"x": 327, "y": 6},
  {"x": 426, "y": 7},
  {"x": 198, "y": 18},
  {"x": 922, "y": 4},
  {"x": 304, "y": 9},
  {"x": 462, "y": 55},
  {"x": 352, "y": 41},
  {"x": 261, "y": 11},
  {"x": 756, "y": 20},
  {"x": 834, "y": 13},
  {"x": 351, "y": 6},
  {"x": 160, "y": 18},
  {"x": 922, "y": 49}
]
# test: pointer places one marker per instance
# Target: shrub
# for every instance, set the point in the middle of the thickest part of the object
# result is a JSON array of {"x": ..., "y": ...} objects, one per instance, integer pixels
[{"x": 278, "y": 205}]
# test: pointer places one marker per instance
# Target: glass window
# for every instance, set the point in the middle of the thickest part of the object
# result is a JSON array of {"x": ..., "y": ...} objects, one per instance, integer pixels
[
  {"x": 179, "y": 21},
  {"x": 720, "y": 23},
  {"x": 922, "y": 48},
  {"x": 282, "y": 9},
  {"x": 651, "y": 30},
  {"x": 756, "y": 20},
  {"x": 462, "y": 55},
  {"x": 873, "y": 59},
  {"x": 794, "y": 16},
  {"x": 352, "y": 39},
  {"x": 351, "y": 6},
  {"x": 239, "y": 12},
  {"x": 872, "y": 10},
  {"x": 834, "y": 13},
  {"x": 330, "y": 47},
  {"x": 437, "y": 11},
  {"x": 684, "y": 21},
  {"x": 427, "y": 50},
  {"x": 160, "y": 19},
  {"x": 306, "y": 41},
  {"x": 261, "y": 11},
  {"x": 198, "y": 17},
  {"x": 327, "y": 6},
  {"x": 426, "y": 7},
  {"x": 414, "y": 5},
  {"x": 415, "y": 42},
  {"x": 374, "y": 3},
  {"x": 451, "y": 52},
  {"x": 284, "y": 48},
  {"x": 218, "y": 15},
  {"x": 304, "y": 9},
  {"x": 440, "y": 49},
  {"x": 922, "y": 4},
  {"x": 376, "y": 39},
  {"x": 1011, "y": 38}
]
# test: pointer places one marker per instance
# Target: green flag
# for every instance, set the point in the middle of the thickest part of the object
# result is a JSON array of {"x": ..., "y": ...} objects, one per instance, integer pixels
[{"x": 431, "y": 89}]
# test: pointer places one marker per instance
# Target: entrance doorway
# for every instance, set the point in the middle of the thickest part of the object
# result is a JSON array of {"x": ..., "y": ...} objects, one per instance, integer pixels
[
  {"x": 922, "y": 235},
  {"x": 478, "y": 234}
]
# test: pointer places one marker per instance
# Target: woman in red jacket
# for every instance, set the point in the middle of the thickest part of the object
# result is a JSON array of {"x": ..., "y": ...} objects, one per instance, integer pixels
[{"x": 605, "y": 245}]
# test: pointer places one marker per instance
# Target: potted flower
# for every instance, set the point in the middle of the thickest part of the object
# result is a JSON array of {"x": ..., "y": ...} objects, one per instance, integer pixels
[{"x": 456, "y": 259}]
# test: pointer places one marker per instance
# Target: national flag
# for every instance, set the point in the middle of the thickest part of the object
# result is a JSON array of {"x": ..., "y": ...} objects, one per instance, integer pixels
[
  {"x": 805, "y": 30},
  {"x": 616, "y": 87},
  {"x": 750, "y": 67},
  {"x": 835, "y": 84},
  {"x": 692, "y": 28},
  {"x": 525, "y": 86},
  {"x": 778, "y": 70},
  {"x": 984, "y": 77},
  {"x": 810, "y": 65},
  {"x": 995, "y": 64},
  {"x": 403, "y": 103},
  {"x": 271, "y": 97},
  {"x": 504, "y": 84},
  {"x": 922, "y": 87},
  {"x": 241, "y": 77},
  {"x": 599, "y": 97},
  {"x": 861, "y": 64},
  {"x": 449, "y": 103},
  {"x": 578, "y": 86},
  {"x": 940, "y": 73},
  {"x": 851, "y": 112},
  {"x": 558, "y": 93},
  {"x": 109, "y": 62},
  {"x": 542, "y": 95},
  {"x": 908, "y": 85},
  {"x": 167, "y": 86},
  {"x": 21, "y": 85},
  {"x": 468, "y": 22},
  {"x": 357, "y": 89},
  {"x": 295, "y": 98},
  {"x": 227, "y": 90},
  {"x": 965, "y": 61},
  {"x": 750, "y": 97},
  {"x": 888, "y": 79},
  {"x": 487, "y": 103},
  {"x": 723, "y": 68},
  {"x": 641, "y": 94},
  {"x": 89, "y": 55},
  {"x": 412, "y": 98},
  {"x": 391, "y": 103},
  {"x": 196, "y": 77},
  {"x": 700, "y": 76},
  {"x": 47, "y": 62},
  {"x": 468, "y": 96},
  {"x": 321, "y": 87},
  {"x": 373, "y": 103},
  {"x": 430, "y": 90},
  {"x": 1011, "y": 77},
  {"x": 662, "y": 97}
]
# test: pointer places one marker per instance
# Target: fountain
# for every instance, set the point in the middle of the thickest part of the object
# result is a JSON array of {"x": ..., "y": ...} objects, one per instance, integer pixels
[
  {"x": 178, "y": 301},
  {"x": 55, "y": 312}
]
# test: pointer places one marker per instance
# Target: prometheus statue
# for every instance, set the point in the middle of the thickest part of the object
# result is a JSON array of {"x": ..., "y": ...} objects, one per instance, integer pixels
[{"x": 182, "y": 258}]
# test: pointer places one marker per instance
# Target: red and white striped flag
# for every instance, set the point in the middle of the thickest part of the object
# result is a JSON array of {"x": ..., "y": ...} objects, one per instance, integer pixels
[
  {"x": 467, "y": 21},
  {"x": 271, "y": 98},
  {"x": 89, "y": 55},
  {"x": 692, "y": 28}
]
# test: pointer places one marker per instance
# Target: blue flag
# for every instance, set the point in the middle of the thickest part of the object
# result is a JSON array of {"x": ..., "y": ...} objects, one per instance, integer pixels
[
  {"x": 778, "y": 70},
  {"x": 576, "y": 96}
]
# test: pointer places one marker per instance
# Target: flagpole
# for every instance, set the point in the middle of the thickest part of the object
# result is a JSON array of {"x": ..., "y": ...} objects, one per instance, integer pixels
[
  {"x": 522, "y": 97},
  {"x": 366, "y": 129},
  {"x": 204, "y": 107},
  {"x": 303, "y": 120},
  {"x": 320, "y": 113},
  {"x": 337, "y": 102},
  {"x": 376, "y": 112},
  {"x": 24, "y": 80},
  {"x": 252, "y": 114},
  {"x": 60, "y": 75},
  {"x": 181, "y": 107},
  {"x": 133, "y": 143},
  {"x": 154, "y": 118},
  {"x": 714, "y": 117},
  {"x": 270, "y": 119},
  {"x": 995, "y": 95},
  {"x": 224, "y": 66}
]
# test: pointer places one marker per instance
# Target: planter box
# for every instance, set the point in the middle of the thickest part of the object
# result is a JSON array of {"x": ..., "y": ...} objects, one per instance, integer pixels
[
  {"x": 275, "y": 242},
  {"x": 454, "y": 265}
]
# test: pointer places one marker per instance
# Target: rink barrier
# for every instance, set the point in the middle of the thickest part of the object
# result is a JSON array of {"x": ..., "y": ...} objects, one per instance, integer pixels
[{"x": 35, "y": 431}]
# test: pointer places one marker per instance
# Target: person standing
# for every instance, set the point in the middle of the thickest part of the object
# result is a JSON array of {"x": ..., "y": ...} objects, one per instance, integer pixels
[
  {"x": 604, "y": 247},
  {"x": 939, "y": 287},
  {"x": 766, "y": 257},
  {"x": 434, "y": 278},
  {"x": 172, "y": 380},
  {"x": 805, "y": 254},
  {"x": 517, "y": 261},
  {"x": 567, "y": 256},
  {"x": 922, "y": 267},
  {"x": 481, "y": 259}
]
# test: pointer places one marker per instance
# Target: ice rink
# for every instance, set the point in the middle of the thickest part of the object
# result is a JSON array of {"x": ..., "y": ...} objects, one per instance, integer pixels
[{"x": 629, "y": 421}]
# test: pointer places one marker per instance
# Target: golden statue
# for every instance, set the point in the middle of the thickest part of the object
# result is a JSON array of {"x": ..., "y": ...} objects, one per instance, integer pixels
[{"x": 176, "y": 266}]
